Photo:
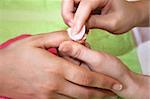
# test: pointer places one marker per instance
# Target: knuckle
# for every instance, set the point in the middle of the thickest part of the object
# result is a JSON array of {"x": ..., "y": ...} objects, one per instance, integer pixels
[
  {"x": 77, "y": 50},
  {"x": 100, "y": 58},
  {"x": 113, "y": 26}
]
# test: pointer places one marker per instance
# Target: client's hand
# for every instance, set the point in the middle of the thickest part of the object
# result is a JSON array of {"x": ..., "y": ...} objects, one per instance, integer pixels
[
  {"x": 29, "y": 71},
  {"x": 135, "y": 86}
]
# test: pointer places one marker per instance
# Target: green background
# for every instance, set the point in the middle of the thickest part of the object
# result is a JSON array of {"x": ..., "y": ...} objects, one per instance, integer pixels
[{"x": 39, "y": 16}]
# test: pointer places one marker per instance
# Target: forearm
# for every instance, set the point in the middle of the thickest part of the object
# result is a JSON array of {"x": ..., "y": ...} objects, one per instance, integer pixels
[
  {"x": 142, "y": 10},
  {"x": 136, "y": 86}
]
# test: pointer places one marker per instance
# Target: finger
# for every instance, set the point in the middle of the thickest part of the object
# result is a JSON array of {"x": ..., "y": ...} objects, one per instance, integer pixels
[
  {"x": 105, "y": 22},
  {"x": 80, "y": 92},
  {"x": 67, "y": 11},
  {"x": 80, "y": 52},
  {"x": 97, "y": 61},
  {"x": 76, "y": 62},
  {"x": 72, "y": 60},
  {"x": 85, "y": 77},
  {"x": 48, "y": 40},
  {"x": 83, "y": 11}
]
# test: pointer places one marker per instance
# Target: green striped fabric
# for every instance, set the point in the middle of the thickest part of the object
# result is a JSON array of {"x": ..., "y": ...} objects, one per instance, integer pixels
[{"x": 39, "y": 16}]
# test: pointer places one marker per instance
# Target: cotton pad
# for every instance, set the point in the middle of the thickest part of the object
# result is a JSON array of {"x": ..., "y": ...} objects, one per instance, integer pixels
[{"x": 78, "y": 36}]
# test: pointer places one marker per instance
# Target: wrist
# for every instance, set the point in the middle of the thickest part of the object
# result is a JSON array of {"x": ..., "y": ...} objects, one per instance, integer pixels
[
  {"x": 144, "y": 86},
  {"x": 136, "y": 86},
  {"x": 141, "y": 13}
]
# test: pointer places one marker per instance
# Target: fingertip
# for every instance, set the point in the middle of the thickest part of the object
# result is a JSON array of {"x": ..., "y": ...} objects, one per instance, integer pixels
[{"x": 65, "y": 47}]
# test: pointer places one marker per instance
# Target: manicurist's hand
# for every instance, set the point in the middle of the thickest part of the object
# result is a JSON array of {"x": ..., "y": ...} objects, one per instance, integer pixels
[
  {"x": 116, "y": 16},
  {"x": 29, "y": 71},
  {"x": 135, "y": 86}
]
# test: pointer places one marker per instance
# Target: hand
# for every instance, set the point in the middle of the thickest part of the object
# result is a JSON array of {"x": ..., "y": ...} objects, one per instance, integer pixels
[
  {"x": 29, "y": 71},
  {"x": 116, "y": 16},
  {"x": 135, "y": 86}
]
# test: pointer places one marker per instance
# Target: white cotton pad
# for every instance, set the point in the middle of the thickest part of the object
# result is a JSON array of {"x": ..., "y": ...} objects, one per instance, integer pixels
[{"x": 77, "y": 37}]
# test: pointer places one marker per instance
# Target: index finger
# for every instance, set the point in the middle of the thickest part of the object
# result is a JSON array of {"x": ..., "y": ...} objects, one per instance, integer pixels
[{"x": 83, "y": 11}]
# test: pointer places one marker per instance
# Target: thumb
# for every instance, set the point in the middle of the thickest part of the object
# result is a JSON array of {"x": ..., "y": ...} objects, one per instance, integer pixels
[
  {"x": 49, "y": 40},
  {"x": 75, "y": 50}
]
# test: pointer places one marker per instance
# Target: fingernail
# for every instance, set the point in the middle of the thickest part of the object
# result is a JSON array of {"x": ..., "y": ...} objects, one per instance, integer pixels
[
  {"x": 75, "y": 29},
  {"x": 117, "y": 87}
]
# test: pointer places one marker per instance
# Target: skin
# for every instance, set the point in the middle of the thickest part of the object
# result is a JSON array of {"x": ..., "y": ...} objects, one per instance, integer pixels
[
  {"x": 135, "y": 86},
  {"x": 117, "y": 16},
  {"x": 45, "y": 76},
  {"x": 29, "y": 71}
]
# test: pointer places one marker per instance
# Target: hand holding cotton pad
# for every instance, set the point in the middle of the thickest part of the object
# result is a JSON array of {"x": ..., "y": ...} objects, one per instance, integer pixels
[{"x": 78, "y": 36}]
